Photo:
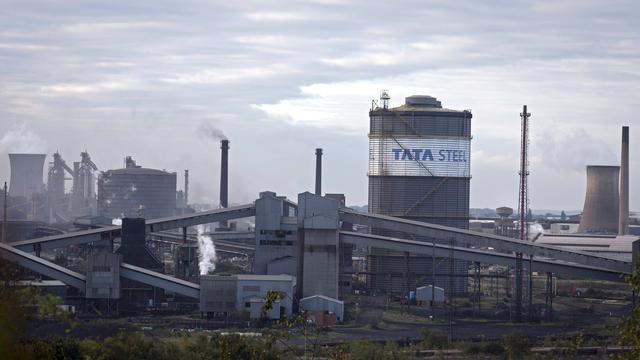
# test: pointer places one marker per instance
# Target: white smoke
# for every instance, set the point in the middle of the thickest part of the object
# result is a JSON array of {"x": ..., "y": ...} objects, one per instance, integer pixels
[
  {"x": 116, "y": 221},
  {"x": 19, "y": 139},
  {"x": 206, "y": 251}
]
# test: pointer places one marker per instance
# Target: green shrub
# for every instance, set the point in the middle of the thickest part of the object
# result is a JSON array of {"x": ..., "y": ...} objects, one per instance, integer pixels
[
  {"x": 434, "y": 339},
  {"x": 516, "y": 345}
]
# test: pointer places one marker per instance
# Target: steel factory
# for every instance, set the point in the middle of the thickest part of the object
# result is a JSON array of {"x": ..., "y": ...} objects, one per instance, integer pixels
[{"x": 127, "y": 240}]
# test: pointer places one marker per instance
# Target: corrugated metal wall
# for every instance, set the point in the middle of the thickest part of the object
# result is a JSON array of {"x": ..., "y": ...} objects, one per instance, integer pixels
[
  {"x": 122, "y": 194},
  {"x": 435, "y": 199}
]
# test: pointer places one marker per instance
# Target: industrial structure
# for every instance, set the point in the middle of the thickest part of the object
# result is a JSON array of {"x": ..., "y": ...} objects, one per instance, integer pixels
[
  {"x": 419, "y": 169},
  {"x": 136, "y": 192},
  {"x": 601, "y": 204},
  {"x": 83, "y": 196},
  {"x": 302, "y": 250},
  {"x": 26, "y": 175}
]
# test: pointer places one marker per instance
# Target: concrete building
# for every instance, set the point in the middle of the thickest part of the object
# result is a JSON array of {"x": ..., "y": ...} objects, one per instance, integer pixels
[
  {"x": 276, "y": 235},
  {"x": 321, "y": 305},
  {"x": 223, "y": 295},
  {"x": 103, "y": 275},
  {"x": 318, "y": 225},
  {"x": 563, "y": 228},
  {"x": 136, "y": 192},
  {"x": 614, "y": 246},
  {"x": 419, "y": 169}
]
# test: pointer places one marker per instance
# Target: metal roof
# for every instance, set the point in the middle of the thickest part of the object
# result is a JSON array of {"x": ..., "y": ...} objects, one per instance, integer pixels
[{"x": 137, "y": 171}]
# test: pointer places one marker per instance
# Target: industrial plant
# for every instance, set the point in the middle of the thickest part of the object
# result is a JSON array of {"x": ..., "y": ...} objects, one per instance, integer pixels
[{"x": 127, "y": 242}]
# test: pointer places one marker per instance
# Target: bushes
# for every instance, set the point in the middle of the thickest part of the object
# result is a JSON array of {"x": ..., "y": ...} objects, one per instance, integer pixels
[
  {"x": 516, "y": 345},
  {"x": 434, "y": 339}
]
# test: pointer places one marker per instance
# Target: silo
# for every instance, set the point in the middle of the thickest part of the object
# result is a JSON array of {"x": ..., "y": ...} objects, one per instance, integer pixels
[
  {"x": 26, "y": 174},
  {"x": 419, "y": 169},
  {"x": 601, "y": 203},
  {"x": 136, "y": 192}
]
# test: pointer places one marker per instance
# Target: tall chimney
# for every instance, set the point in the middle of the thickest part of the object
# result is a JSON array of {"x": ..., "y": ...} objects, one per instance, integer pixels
[
  {"x": 319, "y": 171},
  {"x": 224, "y": 174},
  {"x": 186, "y": 188},
  {"x": 602, "y": 200},
  {"x": 623, "y": 222}
]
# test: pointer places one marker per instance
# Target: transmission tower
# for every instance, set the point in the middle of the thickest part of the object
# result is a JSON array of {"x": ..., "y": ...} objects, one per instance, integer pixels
[{"x": 523, "y": 205}]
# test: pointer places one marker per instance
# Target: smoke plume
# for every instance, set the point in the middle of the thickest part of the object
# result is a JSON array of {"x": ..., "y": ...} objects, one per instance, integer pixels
[
  {"x": 208, "y": 130},
  {"x": 19, "y": 139},
  {"x": 206, "y": 252},
  {"x": 573, "y": 151}
]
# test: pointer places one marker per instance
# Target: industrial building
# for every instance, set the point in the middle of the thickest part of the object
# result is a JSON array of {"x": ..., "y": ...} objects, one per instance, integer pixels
[
  {"x": 322, "y": 308},
  {"x": 228, "y": 294},
  {"x": 426, "y": 295},
  {"x": 419, "y": 169},
  {"x": 304, "y": 249},
  {"x": 136, "y": 192}
]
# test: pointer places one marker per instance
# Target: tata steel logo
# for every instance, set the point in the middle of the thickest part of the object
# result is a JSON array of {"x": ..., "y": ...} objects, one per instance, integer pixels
[{"x": 444, "y": 155}]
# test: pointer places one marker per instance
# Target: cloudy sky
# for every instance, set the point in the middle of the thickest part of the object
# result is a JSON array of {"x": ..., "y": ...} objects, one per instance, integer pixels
[{"x": 146, "y": 78}]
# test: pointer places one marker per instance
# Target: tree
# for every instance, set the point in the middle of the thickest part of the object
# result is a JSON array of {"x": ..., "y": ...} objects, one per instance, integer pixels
[
  {"x": 17, "y": 305},
  {"x": 630, "y": 328},
  {"x": 563, "y": 216}
]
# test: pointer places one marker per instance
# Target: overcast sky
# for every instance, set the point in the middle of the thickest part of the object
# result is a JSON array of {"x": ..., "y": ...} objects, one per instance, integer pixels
[{"x": 143, "y": 78}]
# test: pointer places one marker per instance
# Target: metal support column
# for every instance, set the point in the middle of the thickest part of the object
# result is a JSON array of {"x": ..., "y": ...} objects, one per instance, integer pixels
[
  {"x": 549, "y": 296},
  {"x": 433, "y": 274},
  {"x": 518, "y": 285},
  {"x": 530, "y": 287},
  {"x": 37, "y": 248},
  {"x": 406, "y": 278},
  {"x": 476, "y": 288},
  {"x": 4, "y": 216},
  {"x": 451, "y": 284}
]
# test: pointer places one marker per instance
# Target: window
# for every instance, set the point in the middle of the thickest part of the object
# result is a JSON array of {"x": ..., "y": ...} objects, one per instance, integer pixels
[
  {"x": 253, "y": 288},
  {"x": 247, "y": 304}
]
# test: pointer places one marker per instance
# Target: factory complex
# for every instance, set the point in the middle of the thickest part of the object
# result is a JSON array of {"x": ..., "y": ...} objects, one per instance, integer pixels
[{"x": 127, "y": 240}]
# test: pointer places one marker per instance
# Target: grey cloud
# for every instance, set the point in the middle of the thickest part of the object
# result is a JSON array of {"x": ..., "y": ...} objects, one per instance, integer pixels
[{"x": 139, "y": 77}]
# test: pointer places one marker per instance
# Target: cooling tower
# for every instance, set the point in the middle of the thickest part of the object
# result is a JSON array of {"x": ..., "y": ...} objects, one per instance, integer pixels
[
  {"x": 26, "y": 174},
  {"x": 601, "y": 203}
]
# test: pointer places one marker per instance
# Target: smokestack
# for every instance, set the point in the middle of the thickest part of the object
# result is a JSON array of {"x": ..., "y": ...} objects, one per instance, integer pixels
[
  {"x": 602, "y": 200},
  {"x": 623, "y": 223},
  {"x": 319, "y": 171},
  {"x": 224, "y": 174},
  {"x": 186, "y": 188}
]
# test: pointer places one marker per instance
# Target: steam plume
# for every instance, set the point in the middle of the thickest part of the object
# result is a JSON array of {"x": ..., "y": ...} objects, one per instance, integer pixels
[{"x": 206, "y": 252}]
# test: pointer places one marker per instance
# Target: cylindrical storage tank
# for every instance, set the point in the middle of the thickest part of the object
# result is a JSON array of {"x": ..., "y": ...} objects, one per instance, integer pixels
[
  {"x": 419, "y": 169},
  {"x": 419, "y": 162},
  {"x": 26, "y": 174},
  {"x": 601, "y": 203},
  {"x": 136, "y": 192}
]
